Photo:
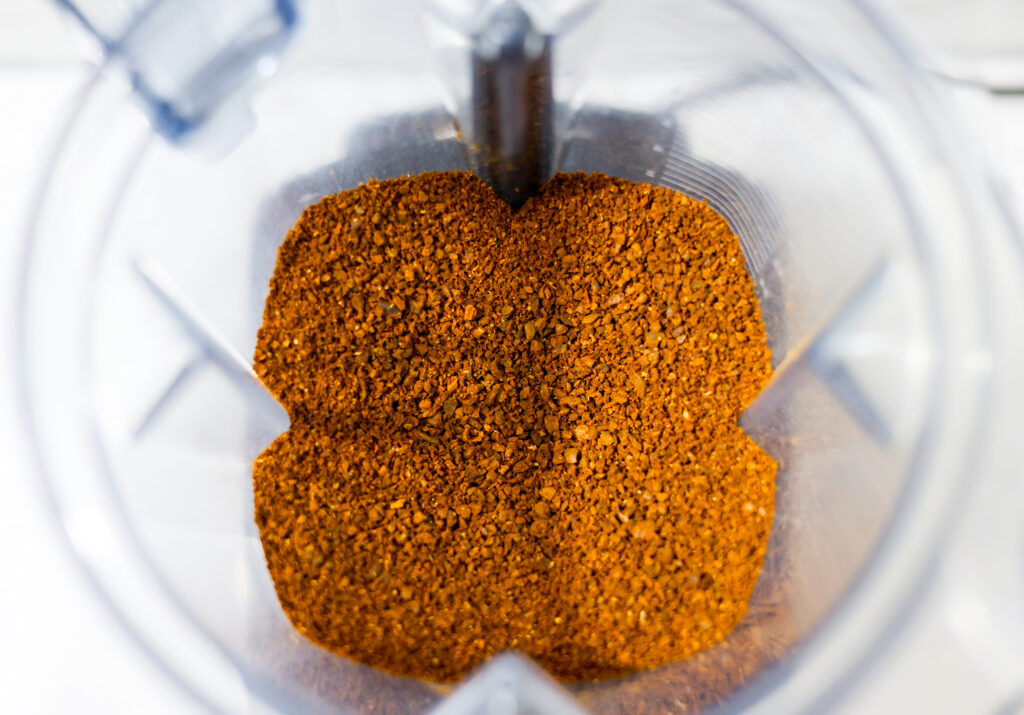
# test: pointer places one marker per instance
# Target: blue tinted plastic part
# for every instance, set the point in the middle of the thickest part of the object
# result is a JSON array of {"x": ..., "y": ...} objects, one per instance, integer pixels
[{"x": 185, "y": 57}]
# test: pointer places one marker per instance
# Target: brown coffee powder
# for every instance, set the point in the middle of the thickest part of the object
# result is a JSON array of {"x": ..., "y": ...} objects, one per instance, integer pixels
[{"x": 513, "y": 431}]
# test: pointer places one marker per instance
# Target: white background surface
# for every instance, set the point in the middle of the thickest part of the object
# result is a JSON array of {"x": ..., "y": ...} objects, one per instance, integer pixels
[{"x": 60, "y": 648}]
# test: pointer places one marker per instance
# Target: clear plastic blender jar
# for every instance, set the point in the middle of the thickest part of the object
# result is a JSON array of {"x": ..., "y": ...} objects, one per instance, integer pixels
[{"x": 861, "y": 213}]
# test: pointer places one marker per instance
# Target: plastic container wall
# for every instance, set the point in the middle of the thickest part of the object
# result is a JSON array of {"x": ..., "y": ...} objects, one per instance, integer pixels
[{"x": 796, "y": 125}]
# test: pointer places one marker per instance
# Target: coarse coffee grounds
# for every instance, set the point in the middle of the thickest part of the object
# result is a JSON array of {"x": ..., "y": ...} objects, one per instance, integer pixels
[{"x": 513, "y": 431}]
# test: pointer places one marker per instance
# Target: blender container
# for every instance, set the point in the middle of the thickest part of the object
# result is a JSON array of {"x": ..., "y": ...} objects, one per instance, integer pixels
[{"x": 864, "y": 217}]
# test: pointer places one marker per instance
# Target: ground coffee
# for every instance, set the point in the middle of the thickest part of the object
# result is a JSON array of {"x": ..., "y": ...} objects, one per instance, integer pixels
[{"x": 513, "y": 431}]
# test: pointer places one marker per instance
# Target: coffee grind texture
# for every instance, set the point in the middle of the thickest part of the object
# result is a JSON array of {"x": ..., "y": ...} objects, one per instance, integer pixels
[{"x": 513, "y": 430}]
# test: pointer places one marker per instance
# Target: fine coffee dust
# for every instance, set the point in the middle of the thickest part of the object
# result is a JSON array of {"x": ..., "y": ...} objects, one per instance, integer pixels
[{"x": 513, "y": 431}]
